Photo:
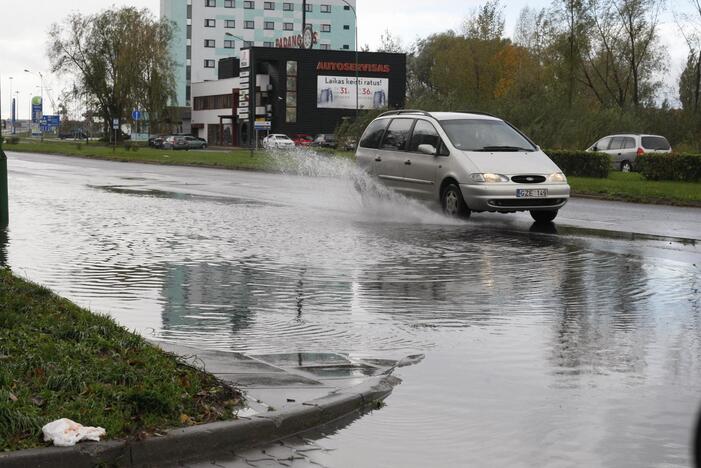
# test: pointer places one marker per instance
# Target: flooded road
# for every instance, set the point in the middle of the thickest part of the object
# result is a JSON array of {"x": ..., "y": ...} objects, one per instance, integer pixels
[{"x": 577, "y": 346}]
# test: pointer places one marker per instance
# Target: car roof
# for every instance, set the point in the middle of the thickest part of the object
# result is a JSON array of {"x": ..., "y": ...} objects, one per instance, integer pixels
[
  {"x": 456, "y": 115},
  {"x": 632, "y": 135}
]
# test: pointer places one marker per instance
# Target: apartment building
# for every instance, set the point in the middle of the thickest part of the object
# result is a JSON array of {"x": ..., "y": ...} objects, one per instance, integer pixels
[{"x": 209, "y": 30}]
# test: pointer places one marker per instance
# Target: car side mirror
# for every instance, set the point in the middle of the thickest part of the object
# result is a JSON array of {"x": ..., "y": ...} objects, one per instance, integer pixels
[{"x": 428, "y": 149}]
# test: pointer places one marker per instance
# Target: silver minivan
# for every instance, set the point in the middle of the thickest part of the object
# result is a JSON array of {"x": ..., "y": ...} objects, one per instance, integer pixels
[
  {"x": 625, "y": 149},
  {"x": 465, "y": 161}
]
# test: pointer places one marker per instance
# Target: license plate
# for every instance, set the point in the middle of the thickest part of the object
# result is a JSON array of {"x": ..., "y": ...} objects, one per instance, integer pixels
[{"x": 531, "y": 193}]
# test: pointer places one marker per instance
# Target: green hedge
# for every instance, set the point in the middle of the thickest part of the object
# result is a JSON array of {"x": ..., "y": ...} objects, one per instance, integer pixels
[
  {"x": 581, "y": 163},
  {"x": 681, "y": 167}
]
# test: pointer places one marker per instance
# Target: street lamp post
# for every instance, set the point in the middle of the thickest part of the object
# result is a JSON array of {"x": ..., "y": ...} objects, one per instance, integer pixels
[
  {"x": 355, "y": 16},
  {"x": 41, "y": 94},
  {"x": 12, "y": 120}
]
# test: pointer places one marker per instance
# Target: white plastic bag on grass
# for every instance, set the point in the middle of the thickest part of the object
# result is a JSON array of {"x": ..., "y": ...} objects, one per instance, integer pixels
[{"x": 66, "y": 433}]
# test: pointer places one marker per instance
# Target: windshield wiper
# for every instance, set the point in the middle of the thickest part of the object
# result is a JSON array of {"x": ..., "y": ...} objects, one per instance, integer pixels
[{"x": 504, "y": 148}]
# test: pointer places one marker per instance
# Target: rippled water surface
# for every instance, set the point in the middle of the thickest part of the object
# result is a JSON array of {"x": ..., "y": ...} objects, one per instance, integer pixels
[{"x": 543, "y": 349}]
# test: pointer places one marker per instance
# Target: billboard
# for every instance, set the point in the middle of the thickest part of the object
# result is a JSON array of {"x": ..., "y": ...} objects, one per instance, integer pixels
[
  {"x": 339, "y": 92},
  {"x": 36, "y": 109}
]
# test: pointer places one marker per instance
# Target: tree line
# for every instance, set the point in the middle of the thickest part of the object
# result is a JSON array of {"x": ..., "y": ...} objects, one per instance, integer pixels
[{"x": 570, "y": 74}]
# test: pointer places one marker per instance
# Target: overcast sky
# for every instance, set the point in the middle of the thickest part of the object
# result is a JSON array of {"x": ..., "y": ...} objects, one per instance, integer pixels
[{"x": 24, "y": 26}]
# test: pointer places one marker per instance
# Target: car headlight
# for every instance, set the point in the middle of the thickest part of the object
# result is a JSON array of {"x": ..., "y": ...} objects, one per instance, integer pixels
[
  {"x": 557, "y": 177},
  {"x": 489, "y": 178}
]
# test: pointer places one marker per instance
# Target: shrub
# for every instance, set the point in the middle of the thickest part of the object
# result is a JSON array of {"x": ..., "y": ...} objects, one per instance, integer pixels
[
  {"x": 666, "y": 166},
  {"x": 581, "y": 163}
]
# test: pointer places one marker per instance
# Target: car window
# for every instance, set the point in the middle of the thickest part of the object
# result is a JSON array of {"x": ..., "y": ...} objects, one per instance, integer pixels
[
  {"x": 485, "y": 135},
  {"x": 424, "y": 134},
  {"x": 603, "y": 144},
  {"x": 628, "y": 143},
  {"x": 655, "y": 143},
  {"x": 616, "y": 143},
  {"x": 373, "y": 134},
  {"x": 397, "y": 134}
]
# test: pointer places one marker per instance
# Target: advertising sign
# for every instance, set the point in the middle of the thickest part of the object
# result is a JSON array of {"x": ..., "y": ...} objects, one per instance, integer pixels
[
  {"x": 245, "y": 60},
  {"x": 36, "y": 109},
  {"x": 338, "y": 92},
  {"x": 49, "y": 122}
]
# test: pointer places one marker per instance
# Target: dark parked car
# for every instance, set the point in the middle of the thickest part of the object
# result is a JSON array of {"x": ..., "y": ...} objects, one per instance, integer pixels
[
  {"x": 195, "y": 142},
  {"x": 73, "y": 135},
  {"x": 175, "y": 143},
  {"x": 325, "y": 140},
  {"x": 156, "y": 141}
]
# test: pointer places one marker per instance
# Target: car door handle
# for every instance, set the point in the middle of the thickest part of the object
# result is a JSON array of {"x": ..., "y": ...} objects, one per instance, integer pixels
[
  {"x": 408, "y": 162},
  {"x": 378, "y": 159},
  {"x": 619, "y": 154}
]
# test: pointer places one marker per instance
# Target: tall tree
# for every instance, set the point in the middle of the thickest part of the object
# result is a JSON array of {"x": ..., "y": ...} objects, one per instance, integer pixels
[{"x": 119, "y": 58}]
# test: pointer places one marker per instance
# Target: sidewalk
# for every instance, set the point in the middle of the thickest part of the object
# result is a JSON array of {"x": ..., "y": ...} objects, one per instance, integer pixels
[{"x": 286, "y": 394}]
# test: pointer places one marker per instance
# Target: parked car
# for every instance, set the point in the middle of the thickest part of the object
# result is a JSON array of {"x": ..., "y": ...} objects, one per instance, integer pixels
[
  {"x": 625, "y": 149},
  {"x": 195, "y": 142},
  {"x": 325, "y": 140},
  {"x": 278, "y": 141},
  {"x": 176, "y": 143},
  {"x": 156, "y": 141},
  {"x": 301, "y": 139},
  {"x": 73, "y": 135},
  {"x": 464, "y": 161}
]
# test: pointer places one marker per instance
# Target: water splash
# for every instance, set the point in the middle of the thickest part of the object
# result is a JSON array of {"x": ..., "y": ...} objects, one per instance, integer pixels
[{"x": 365, "y": 193}]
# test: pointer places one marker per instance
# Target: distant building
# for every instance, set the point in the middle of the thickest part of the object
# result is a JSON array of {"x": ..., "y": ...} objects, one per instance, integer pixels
[{"x": 209, "y": 30}]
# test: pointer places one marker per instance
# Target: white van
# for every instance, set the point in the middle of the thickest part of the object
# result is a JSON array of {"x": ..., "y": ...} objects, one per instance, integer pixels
[{"x": 465, "y": 161}]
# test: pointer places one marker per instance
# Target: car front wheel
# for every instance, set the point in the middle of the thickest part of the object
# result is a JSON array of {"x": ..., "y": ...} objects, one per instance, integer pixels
[
  {"x": 626, "y": 166},
  {"x": 453, "y": 203},
  {"x": 543, "y": 216}
]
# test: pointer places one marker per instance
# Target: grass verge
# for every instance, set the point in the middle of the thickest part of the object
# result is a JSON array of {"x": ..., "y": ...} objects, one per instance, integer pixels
[
  {"x": 237, "y": 158},
  {"x": 58, "y": 360},
  {"x": 633, "y": 187}
]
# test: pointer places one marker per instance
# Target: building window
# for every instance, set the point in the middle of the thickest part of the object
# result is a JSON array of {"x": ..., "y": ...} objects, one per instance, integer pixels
[
  {"x": 248, "y": 43},
  {"x": 189, "y": 31},
  {"x": 269, "y": 25},
  {"x": 346, "y": 47},
  {"x": 325, "y": 8},
  {"x": 249, "y": 24},
  {"x": 249, "y": 5},
  {"x": 229, "y": 44},
  {"x": 229, "y": 24},
  {"x": 210, "y": 3},
  {"x": 324, "y": 46},
  {"x": 268, "y": 5},
  {"x": 209, "y": 63},
  {"x": 288, "y": 6},
  {"x": 325, "y": 28},
  {"x": 189, "y": 12},
  {"x": 287, "y": 26},
  {"x": 346, "y": 27},
  {"x": 268, "y": 44},
  {"x": 209, "y": 43},
  {"x": 346, "y": 7},
  {"x": 229, "y": 3},
  {"x": 309, "y": 8},
  {"x": 210, "y": 23}
]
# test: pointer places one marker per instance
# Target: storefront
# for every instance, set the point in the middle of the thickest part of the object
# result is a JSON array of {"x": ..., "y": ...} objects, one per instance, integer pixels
[{"x": 295, "y": 90}]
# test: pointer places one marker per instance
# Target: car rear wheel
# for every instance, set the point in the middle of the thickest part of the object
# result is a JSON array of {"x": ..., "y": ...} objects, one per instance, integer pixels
[
  {"x": 453, "y": 203},
  {"x": 543, "y": 216},
  {"x": 626, "y": 166}
]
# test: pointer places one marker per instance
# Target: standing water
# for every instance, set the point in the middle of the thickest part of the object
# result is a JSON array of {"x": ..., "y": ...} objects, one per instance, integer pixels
[{"x": 541, "y": 349}]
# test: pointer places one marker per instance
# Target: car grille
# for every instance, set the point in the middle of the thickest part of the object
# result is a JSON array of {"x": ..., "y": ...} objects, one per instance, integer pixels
[
  {"x": 519, "y": 202},
  {"x": 528, "y": 179}
]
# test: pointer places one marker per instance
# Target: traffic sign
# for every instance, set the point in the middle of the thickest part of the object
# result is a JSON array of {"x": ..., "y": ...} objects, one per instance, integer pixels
[
  {"x": 136, "y": 115},
  {"x": 115, "y": 123}
]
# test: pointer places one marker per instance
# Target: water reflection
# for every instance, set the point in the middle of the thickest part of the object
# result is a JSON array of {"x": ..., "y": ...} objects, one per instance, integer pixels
[{"x": 583, "y": 337}]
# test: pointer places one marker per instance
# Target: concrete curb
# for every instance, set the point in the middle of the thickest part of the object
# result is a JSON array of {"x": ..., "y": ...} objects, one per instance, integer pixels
[{"x": 195, "y": 442}]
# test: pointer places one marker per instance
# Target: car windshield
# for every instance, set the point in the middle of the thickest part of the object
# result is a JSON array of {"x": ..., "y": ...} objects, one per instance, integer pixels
[{"x": 485, "y": 135}]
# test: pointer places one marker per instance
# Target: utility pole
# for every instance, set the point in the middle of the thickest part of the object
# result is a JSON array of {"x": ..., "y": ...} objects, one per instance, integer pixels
[{"x": 4, "y": 200}]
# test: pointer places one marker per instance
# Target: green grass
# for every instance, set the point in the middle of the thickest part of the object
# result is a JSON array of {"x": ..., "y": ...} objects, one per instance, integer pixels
[
  {"x": 633, "y": 187},
  {"x": 58, "y": 360},
  {"x": 232, "y": 159}
]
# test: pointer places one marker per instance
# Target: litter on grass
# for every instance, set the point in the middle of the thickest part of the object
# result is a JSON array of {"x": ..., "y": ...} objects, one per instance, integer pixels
[{"x": 66, "y": 433}]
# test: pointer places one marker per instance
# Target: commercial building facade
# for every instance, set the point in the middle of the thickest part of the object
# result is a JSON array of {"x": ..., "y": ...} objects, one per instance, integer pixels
[
  {"x": 285, "y": 90},
  {"x": 209, "y": 30}
]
